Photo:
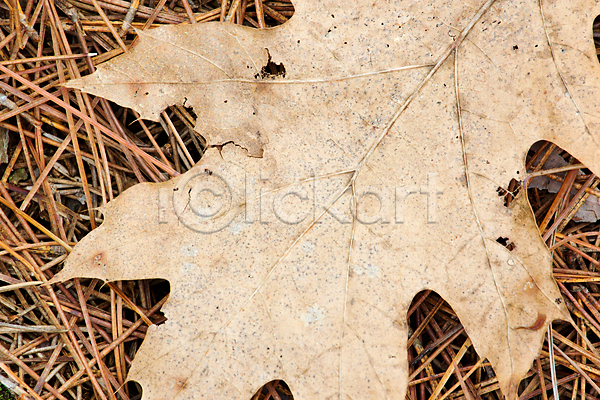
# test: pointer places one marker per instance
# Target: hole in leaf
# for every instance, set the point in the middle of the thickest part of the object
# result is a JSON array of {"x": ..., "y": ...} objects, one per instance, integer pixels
[
  {"x": 512, "y": 190},
  {"x": 135, "y": 390},
  {"x": 272, "y": 390},
  {"x": 271, "y": 69},
  {"x": 504, "y": 241}
]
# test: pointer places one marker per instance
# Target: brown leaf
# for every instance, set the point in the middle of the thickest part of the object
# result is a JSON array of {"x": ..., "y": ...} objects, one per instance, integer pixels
[{"x": 375, "y": 167}]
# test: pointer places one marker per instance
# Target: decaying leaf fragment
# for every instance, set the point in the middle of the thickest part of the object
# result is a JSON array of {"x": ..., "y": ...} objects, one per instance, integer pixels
[{"x": 368, "y": 172}]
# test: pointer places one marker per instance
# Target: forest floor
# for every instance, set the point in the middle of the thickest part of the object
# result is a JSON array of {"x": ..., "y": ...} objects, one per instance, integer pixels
[{"x": 49, "y": 43}]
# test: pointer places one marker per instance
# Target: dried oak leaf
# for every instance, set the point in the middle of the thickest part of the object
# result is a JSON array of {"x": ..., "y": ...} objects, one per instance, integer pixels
[{"x": 335, "y": 192}]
